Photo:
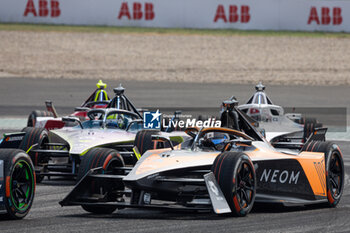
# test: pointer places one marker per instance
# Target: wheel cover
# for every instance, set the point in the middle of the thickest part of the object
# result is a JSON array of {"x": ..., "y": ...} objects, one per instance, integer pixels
[
  {"x": 22, "y": 185},
  {"x": 245, "y": 185},
  {"x": 335, "y": 174}
]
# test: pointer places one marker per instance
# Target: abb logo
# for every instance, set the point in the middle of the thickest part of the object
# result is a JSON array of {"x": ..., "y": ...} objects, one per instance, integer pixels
[
  {"x": 326, "y": 17},
  {"x": 233, "y": 15},
  {"x": 137, "y": 12},
  {"x": 43, "y": 8}
]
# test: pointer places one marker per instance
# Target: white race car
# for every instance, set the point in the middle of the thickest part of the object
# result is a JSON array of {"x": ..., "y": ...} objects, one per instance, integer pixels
[{"x": 274, "y": 121}]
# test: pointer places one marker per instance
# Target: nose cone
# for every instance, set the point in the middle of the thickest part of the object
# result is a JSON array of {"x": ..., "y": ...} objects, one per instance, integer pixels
[{"x": 153, "y": 162}]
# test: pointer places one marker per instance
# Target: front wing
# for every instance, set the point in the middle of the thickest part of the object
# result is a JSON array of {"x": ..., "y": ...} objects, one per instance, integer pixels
[
  {"x": 80, "y": 195},
  {"x": 215, "y": 201}
]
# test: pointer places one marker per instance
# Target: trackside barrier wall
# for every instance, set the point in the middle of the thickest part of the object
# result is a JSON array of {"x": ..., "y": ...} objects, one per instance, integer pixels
[{"x": 304, "y": 15}]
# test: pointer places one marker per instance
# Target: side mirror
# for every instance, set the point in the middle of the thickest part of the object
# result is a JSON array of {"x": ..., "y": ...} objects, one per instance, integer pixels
[
  {"x": 241, "y": 142},
  {"x": 81, "y": 109},
  {"x": 163, "y": 139},
  {"x": 237, "y": 142},
  {"x": 72, "y": 119},
  {"x": 137, "y": 121}
]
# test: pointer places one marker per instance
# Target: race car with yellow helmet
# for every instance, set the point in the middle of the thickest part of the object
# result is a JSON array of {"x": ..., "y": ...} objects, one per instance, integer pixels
[
  {"x": 116, "y": 129},
  {"x": 49, "y": 119},
  {"x": 223, "y": 170}
]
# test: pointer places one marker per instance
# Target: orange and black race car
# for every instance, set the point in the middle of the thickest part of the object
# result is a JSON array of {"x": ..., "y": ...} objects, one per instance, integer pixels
[{"x": 218, "y": 169}]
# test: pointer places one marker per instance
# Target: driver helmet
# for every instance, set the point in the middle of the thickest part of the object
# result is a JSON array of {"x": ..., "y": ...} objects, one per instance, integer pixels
[
  {"x": 215, "y": 138},
  {"x": 219, "y": 138}
]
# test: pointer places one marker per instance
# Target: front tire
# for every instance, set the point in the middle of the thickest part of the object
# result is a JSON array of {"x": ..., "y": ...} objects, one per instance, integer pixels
[
  {"x": 35, "y": 136},
  {"x": 109, "y": 160},
  {"x": 236, "y": 177},
  {"x": 20, "y": 183}
]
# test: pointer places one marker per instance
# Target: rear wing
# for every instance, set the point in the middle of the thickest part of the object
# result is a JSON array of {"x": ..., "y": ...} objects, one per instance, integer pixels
[
  {"x": 51, "y": 108},
  {"x": 294, "y": 141},
  {"x": 318, "y": 135}
]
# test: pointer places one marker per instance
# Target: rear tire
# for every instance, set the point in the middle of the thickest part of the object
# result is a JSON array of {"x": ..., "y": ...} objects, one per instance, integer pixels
[
  {"x": 334, "y": 169},
  {"x": 19, "y": 173},
  {"x": 32, "y": 119},
  {"x": 236, "y": 177},
  {"x": 35, "y": 136},
  {"x": 108, "y": 159}
]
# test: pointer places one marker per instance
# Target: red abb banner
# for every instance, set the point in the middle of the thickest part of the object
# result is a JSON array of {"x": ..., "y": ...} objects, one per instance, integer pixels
[
  {"x": 42, "y": 9},
  {"x": 327, "y": 16},
  {"x": 234, "y": 14},
  {"x": 137, "y": 11}
]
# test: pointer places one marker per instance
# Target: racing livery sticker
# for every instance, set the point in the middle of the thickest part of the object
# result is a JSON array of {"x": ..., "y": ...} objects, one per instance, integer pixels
[{"x": 283, "y": 178}]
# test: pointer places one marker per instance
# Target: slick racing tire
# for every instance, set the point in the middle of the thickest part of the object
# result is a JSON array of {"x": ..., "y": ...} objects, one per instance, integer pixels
[
  {"x": 236, "y": 177},
  {"x": 334, "y": 169},
  {"x": 19, "y": 183},
  {"x": 35, "y": 136},
  {"x": 143, "y": 140},
  {"x": 32, "y": 119},
  {"x": 109, "y": 160}
]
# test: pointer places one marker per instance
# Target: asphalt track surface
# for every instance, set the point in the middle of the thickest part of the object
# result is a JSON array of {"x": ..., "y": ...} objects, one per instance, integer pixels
[{"x": 20, "y": 96}]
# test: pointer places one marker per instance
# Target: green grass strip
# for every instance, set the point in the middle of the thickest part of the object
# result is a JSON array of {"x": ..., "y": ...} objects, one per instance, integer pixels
[{"x": 160, "y": 31}]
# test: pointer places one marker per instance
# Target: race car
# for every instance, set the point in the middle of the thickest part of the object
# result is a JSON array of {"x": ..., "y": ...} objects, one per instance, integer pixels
[
  {"x": 49, "y": 119},
  {"x": 272, "y": 118},
  {"x": 223, "y": 170},
  {"x": 17, "y": 182},
  {"x": 118, "y": 128}
]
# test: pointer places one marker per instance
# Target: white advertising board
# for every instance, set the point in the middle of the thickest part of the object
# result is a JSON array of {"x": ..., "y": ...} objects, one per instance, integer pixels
[{"x": 304, "y": 15}]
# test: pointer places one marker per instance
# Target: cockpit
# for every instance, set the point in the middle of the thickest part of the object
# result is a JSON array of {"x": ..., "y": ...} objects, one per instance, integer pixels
[
  {"x": 214, "y": 140},
  {"x": 113, "y": 119},
  {"x": 217, "y": 139}
]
